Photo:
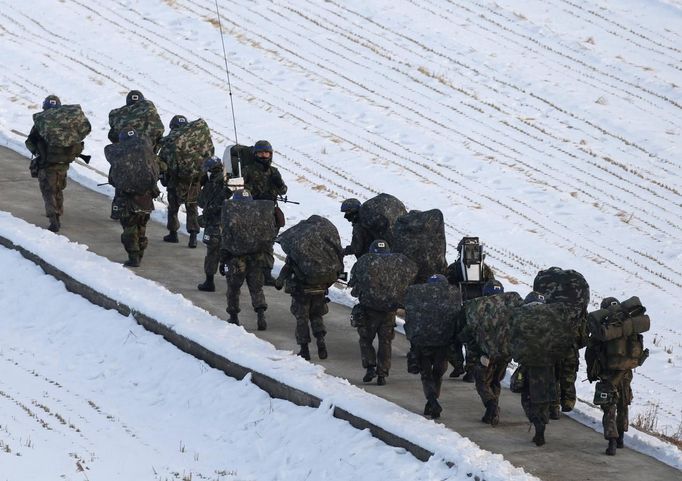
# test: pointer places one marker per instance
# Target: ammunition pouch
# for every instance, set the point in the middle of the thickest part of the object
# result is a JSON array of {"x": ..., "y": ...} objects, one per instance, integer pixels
[
  {"x": 605, "y": 393},
  {"x": 212, "y": 235},
  {"x": 643, "y": 357}
]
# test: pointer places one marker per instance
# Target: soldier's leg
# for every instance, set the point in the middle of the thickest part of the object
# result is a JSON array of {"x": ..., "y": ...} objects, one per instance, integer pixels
[
  {"x": 318, "y": 308},
  {"x": 130, "y": 235},
  {"x": 499, "y": 371},
  {"x": 47, "y": 181},
  {"x": 212, "y": 258},
  {"x": 59, "y": 190},
  {"x": 192, "y": 216},
  {"x": 269, "y": 262},
  {"x": 143, "y": 241},
  {"x": 254, "y": 280},
  {"x": 440, "y": 366},
  {"x": 426, "y": 361},
  {"x": 172, "y": 224},
  {"x": 385, "y": 333},
  {"x": 567, "y": 377},
  {"x": 471, "y": 360},
  {"x": 624, "y": 400},
  {"x": 483, "y": 376},
  {"x": 300, "y": 308},
  {"x": 456, "y": 358},
  {"x": 235, "y": 274}
]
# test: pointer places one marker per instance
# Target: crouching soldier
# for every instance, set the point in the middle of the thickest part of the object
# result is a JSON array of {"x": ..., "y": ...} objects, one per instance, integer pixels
[
  {"x": 211, "y": 198},
  {"x": 313, "y": 263},
  {"x": 614, "y": 349},
  {"x": 134, "y": 172},
  {"x": 431, "y": 315}
]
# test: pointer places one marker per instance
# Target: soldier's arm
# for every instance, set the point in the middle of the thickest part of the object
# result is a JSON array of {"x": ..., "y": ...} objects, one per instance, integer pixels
[{"x": 278, "y": 183}]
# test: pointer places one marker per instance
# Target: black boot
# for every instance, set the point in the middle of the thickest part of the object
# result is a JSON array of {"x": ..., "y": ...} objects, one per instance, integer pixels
[
  {"x": 456, "y": 372},
  {"x": 539, "y": 438},
  {"x": 208, "y": 285},
  {"x": 171, "y": 237},
  {"x": 611, "y": 450},
  {"x": 554, "y": 412},
  {"x": 261, "y": 323},
  {"x": 436, "y": 409},
  {"x": 619, "y": 441},
  {"x": 381, "y": 380},
  {"x": 321, "y": 348},
  {"x": 133, "y": 260},
  {"x": 468, "y": 377},
  {"x": 54, "y": 223},
  {"x": 492, "y": 415},
  {"x": 233, "y": 319},
  {"x": 304, "y": 352},
  {"x": 192, "y": 244},
  {"x": 370, "y": 374}
]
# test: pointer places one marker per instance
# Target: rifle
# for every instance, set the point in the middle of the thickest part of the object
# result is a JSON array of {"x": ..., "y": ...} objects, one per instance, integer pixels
[{"x": 284, "y": 199}]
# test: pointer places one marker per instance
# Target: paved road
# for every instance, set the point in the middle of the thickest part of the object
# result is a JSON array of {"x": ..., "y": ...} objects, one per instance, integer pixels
[{"x": 573, "y": 451}]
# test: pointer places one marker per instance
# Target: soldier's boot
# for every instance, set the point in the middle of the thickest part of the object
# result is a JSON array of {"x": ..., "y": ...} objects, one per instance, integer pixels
[
  {"x": 619, "y": 441},
  {"x": 567, "y": 405},
  {"x": 491, "y": 412},
  {"x": 54, "y": 223},
  {"x": 539, "y": 438},
  {"x": 427, "y": 408},
  {"x": 260, "y": 320},
  {"x": 268, "y": 280},
  {"x": 192, "y": 244},
  {"x": 208, "y": 285},
  {"x": 457, "y": 371},
  {"x": 172, "y": 236},
  {"x": 304, "y": 352},
  {"x": 468, "y": 376},
  {"x": 436, "y": 409},
  {"x": 370, "y": 374},
  {"x": 554, "y": 412},
  {"x": 233, "y": 319},
  {"x": 381, "y": 380},
  {"x": 133, "y": 260},
  {"x": 611, "y": 450},
  {"x": 321, "y": 348}
]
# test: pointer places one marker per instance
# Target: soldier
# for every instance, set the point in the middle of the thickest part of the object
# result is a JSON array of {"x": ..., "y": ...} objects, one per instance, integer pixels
[
  {"x": 362, "y": 238},
  {"x": 182, "y": 177},
  {"x": 211, "y": 197},
  {"x": 265, "y": 183},
  {"x": 613, "y": 367},
  {"x": 470, "y": 273},
  {"x": 240, "y": 268},
  {"x": 51, "y": 162}
]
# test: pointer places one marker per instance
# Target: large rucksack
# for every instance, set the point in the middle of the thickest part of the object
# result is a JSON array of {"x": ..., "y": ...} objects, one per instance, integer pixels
[
  {"x": 420, "y": 235},
  {"x": 380, "y": 281},
  {"x": 134, "y": 166},
  {"x": 248, "y": 226},
  {"x": 563, "y": 285},
  {"x": 186, "y": 147},
  {"x": 314, "y": 246},
  {"x": 489, "y": 319},
  {"x": 62, "y": 126},
  {"x": 378, "y": 215},
  {"x": 141, "y": 116},
  {"x": 541, "y": 334},
  {"x": 431, "y": 314}
]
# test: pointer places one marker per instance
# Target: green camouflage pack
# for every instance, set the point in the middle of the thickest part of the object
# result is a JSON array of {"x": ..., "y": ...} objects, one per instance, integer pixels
[
  {"x": 134, "y": 166},
  {"x": 420, "y": 235},
  {"x": 489, "y": 319},
  {"x": 431, "y": 314},
  {"x": 314, "y": 245},
  {"x": 378, "y": 215},
  {"x": 185, "y": 148},
  {"x": 62, "y": 126},
  {"x": 541, "y": 334},
  {"x": 563, "y": 285},
  {"x": 248, "y": 226},
  {"x": 141, "y": 116},
  {"x": 380, "y": 281}
]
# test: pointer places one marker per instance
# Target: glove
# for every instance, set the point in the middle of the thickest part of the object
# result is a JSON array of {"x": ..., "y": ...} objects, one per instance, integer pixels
[{"x": 221, "y": 268}]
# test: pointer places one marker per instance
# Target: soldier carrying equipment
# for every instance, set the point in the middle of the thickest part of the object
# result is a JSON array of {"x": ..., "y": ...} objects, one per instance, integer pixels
[{"x": 420, "y": 235}]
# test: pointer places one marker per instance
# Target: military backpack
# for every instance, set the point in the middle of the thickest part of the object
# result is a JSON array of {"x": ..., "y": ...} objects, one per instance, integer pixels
[
  {"x": 186, "y": 148},
  {"x": 140, "y": 116},
  {"x": 248, "y": 226},
  {"x": 134, "y": 166},
  {"x": 541, "y": 334},
  {"x": 378, "y": 215},
  {"x": 380, "y": 281},
  {"x": 420, "y": 235},
  {"x": 62, "y": 126},
  {"x": 489, "y": 319},
  {"x": 431, "y": 314}
]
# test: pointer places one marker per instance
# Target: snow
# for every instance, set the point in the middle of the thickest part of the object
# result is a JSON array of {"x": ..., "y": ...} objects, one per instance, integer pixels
[{"x": 550, "y": 129}]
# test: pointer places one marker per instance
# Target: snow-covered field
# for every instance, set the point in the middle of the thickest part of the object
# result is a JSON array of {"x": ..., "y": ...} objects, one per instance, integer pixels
[{"x": 549, "y": 128}]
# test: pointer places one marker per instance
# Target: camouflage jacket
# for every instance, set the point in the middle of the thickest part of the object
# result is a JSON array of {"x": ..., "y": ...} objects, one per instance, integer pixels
[
  {"x": 360, "y": 242},
  {"x": 50, "y": 155},
  {"x": 211, "y": 198},
  {"x": 264, "y": 184}
]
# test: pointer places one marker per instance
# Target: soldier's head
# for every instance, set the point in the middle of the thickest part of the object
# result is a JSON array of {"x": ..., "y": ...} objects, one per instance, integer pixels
[
  {"x": 177, "y": 121},
  {"x": 437, "y": 279},
  {"x": 126, "y": 134},
  {"x": 534, "y": 298},
  {"x": 51, "y": 102},
  {"x": 492, "y": 287},
  {"x": 212, "y": 165},
  {"x": 134, "y": 96},
  {"x": 262, "y": 151},
  {"x": 350, "y": 208},
  {"x": 609, "y": 302},
  {"x": 379, "y": 247},
  {"x": 241, "y": 194}
]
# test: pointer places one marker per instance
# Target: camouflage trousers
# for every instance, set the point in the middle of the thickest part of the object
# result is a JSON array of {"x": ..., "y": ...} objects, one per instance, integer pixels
[
  {"x": 615, "y": 419},
  {"x": 309, "y": 308},
  {"x": 488, "y": 379},
  {"x": 539, "y": 393},
  {"x": 433, "y": 363},
  {"x": 176, "y": 197},
  {"x": 378, "y": 324},
  {"x": 566, "y": 371},
  {"x": 52, "y": 182},
  {"x": 459, "y": 361},
  {"x": 134, "y": 237},
  {"x": 212, "y": 241},
  {"x": 238, "y": 270}
]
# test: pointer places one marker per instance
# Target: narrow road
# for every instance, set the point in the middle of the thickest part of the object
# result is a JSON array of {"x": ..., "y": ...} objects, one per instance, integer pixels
[{"x": 573, "y": 451}]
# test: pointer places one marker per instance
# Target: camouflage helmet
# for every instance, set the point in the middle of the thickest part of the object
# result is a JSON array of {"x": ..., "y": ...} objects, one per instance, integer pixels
[
  {"x": 126, "y": 134},
  {"x": 262, "y": 146},
  {"x": 492, "y": 287},
  {"x": 437, "y": 279},
  {"x": 241, "y": 194},
  {"x": 350, "y": 205},
  {"x": 212, "y": 163},
  {"x": 51, "y": 102},
  {"x": 608, "y": 302},
  {"x": 177, "y": 121},
  {"x": 134, "y": 96},
  {"x": 534, "y": 297},
  {"x": 379, "y": 246}
]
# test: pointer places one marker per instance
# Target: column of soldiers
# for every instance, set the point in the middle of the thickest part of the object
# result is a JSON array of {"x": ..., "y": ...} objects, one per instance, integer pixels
[{"x": 443, "y": 312}]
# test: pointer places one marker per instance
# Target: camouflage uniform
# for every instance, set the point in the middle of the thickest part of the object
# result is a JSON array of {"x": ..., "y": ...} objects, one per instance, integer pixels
[
  {"x": 615, "y": 419},
  {"x": 380, "y": 324},
  {"x": 539, "y": 393},
  {"x": 361, "y": 239},
  {"x": 183, "y": 191},
  {"x": 134, "y": 218},
  {"x": 211, "y": 198},
  {"x": 238, "y": 269},
  {"x": 433, "y": 363}
]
